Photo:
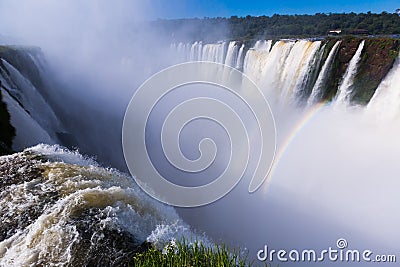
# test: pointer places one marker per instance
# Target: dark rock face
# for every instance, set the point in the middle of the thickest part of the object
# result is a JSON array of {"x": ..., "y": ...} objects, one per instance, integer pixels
[
  {"x": 29, "y": 82},
  {"x": 7, "y": 131},
  {"x": 347, "y": 49},
  {"x": 377, "y": 59},
  {"x": 20, "y": 59}
]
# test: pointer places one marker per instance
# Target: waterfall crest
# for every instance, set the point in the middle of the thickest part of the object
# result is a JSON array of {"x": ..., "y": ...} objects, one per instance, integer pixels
[{"x": 290, "y": 71}]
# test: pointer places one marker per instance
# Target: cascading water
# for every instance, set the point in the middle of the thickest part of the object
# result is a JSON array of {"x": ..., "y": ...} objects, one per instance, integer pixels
[
  {"x": 269, "y": 67},
  {"x": 297, "y": 66},
  {"x": 344, "y": 90},
  {"x": 32, "y": 116},
  {"x": 60, "y": 208},
  {"x": 386, "y": 101},
  {"x": 255, "y": 59},
  {"x": 213, "y": 52},
  {"x": 326, "y": 183},
  {"x": 239, "y": 62},
  {"x": 284, "y": 67},
  {"x": 263, "y": 45},
  {"x": 316, "y": 91},
  {"x": 195, "y": 51},
  {"x": 232, "y": 54},
  {"x": 219, "y": 53},
  {"x": 32, "y": 101}
]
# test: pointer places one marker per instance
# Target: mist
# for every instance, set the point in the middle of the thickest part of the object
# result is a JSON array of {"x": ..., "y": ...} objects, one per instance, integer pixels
[
  {"x": 336, "y": 179},
  {"x": 98, "y": 52},
  {"x": 335, "y": 174}
]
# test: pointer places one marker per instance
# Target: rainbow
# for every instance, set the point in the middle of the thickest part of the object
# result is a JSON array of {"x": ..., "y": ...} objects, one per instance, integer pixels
[{"x": 296, "y": 129}]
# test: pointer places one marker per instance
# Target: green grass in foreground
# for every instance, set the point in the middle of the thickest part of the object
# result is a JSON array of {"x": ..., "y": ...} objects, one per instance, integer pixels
[{"x": 194, "y": 254}]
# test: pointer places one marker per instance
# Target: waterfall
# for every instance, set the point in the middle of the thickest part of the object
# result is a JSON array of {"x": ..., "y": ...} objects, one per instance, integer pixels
[
  {"x": 214, "y": 52},
  {"x": 239, "y": 62},
  {"x": 183, "y": 51},
  {"x": 263, "y": 45},
  {"x": 386, "y": 100},
  {"x": 284, "y": 68},
  {"x": 232, "y": 54},
  {"x": 328, "y": 147},
  {"x": 64, "y": 209},
  {"x": 298, "y": 66},
  {"x": 288, "y": 70},
  {"x": 30, "y": 98},
  {"x": 222, "y": 53},
  {"x": 195, "y": 51},
  {"x": 344, "y": 90},
  {"x": 316, "y": 91},
  {"x": 31, "y": 114},
  {"x": 256, "y": 59}
]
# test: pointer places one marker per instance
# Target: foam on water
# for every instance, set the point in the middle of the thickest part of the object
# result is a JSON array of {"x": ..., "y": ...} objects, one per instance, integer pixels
[{"x": 67, "y": 191}]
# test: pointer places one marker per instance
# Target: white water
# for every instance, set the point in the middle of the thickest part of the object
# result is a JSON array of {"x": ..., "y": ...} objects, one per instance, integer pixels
[
  {"x": 213, "y": 52},
  {"x": 266, "y": 69},
  {"x": 281, "y": 70},
  {"x": 183, "y": 51},
  {"x": 81, "y": 184},
  {"x": 297, "y": 66},
  {"x": 239, "y": 63},
  {"x": 28, "y": 131},
  {"x": 336, "y": 178},
  {"x": 283, "y": 67},
  {"x": 232, "y": 54},
  {"x": 195, "y": 51},
  {"x": 327, "y": 185},
  {"x": 256, "y": 58},
  {"x": 385, "y": 104},
  {"x": 344, "y": 90},
  {"x": 31, "y": 99},
  {"x": 263, "y": 45},
  {"x": 31, "y": 115},
  {"x": 316, "y": 91},
  {"x": 220, "y": 52}
]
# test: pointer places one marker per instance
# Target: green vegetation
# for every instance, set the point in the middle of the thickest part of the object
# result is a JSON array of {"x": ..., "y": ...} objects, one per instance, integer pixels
[
  {"x": 313, "y": 25},
  {"x": 321, "y": 57},
  {"x": 346, "y": 51},
  {"x": 279, "y": 26},
  {"x": 377, "y": 59},
  {"x": 194, "y": 254}
]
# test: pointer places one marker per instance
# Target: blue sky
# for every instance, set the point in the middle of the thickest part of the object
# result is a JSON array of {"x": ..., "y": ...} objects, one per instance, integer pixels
[{"x": 227, "y": 8}]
